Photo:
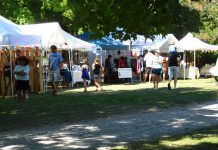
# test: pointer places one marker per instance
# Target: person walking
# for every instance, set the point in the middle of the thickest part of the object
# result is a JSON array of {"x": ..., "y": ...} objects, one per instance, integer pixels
[
  {"x": 173, "y": 62},
  {"x": 85, "y": 73},
  {"x": 96, "y": 67},
  {"x": 55, "y": 63}
]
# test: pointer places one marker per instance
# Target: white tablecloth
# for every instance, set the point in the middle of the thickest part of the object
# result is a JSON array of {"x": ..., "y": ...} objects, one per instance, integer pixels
[
  {"x": 76, "y": 77},
  {"x": 205, "y": 71},
  {"x": 191, "y": 73}
]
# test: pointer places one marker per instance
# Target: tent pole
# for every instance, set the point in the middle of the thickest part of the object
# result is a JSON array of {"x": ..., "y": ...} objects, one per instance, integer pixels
[
  {"x": 194, "y": 63},
  {"x": 69, "y": 56},
  {"x": 46, "y": 70},
  {"x": 184, "y": 65},
  {"x": 11, "y": 75},
  {"x": 129, "y": 63}
]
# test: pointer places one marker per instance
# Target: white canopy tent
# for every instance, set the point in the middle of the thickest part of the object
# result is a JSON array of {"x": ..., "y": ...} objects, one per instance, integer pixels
[
  {"x": 51, "y": 33},
  {"x": 11, "y": 34},
  {"x": 159, "y": 42},
  {"x": 190, "y": 43},
  {"x": 162, "y": 43}
]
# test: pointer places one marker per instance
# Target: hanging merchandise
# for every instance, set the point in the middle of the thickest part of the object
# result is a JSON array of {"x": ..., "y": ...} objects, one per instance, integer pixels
[
  {"x": 138, "y": 66},
  {"x": 131, "y": 53},
  {"x": 135, "y": 52}
]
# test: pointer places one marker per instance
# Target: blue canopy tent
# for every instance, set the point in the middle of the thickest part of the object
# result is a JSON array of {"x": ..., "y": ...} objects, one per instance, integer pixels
[{"x": 106, "y": 43}]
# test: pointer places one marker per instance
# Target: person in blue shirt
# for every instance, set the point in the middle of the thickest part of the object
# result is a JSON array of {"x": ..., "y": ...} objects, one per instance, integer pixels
[{"x": 55, "y": 63}]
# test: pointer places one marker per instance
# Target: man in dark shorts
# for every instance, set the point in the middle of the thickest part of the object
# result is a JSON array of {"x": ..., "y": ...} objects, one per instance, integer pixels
[{"x": 148, "y": 60}]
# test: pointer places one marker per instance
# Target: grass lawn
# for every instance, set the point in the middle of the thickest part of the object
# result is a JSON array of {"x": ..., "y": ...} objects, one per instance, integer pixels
[
  {"x": 203, "y": 139},
  {"x": 74, "y": 105}
]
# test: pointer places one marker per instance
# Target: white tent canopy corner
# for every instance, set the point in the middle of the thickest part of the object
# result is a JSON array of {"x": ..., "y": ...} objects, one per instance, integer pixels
[
  {"x": 51, "y": 33},
  {"x": 12, "y": 34},
  {"x": 159, "y": 42},
  {"x": 190, "y": 43}
]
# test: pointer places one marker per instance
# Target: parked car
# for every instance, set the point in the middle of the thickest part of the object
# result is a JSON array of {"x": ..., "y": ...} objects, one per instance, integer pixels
[{"x": 214, "y": 71}]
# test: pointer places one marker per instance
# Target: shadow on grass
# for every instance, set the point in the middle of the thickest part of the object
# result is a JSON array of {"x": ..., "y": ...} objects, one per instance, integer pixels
[
  {"x": 68, "y": 119},
  {"x": 76, "y": 106}
]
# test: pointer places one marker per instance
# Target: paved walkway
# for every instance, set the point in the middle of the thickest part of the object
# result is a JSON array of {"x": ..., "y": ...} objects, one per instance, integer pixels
[{"x": 116, "y": 130}]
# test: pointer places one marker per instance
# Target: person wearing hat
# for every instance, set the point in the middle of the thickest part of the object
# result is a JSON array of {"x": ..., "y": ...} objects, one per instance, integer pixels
[
  {"x": 173, "y": 62},
  {"x": 156, "y": 68}
]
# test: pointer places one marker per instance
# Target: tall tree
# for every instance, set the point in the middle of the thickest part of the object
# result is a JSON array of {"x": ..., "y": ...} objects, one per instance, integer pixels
[{"x": 147, "y": 17}]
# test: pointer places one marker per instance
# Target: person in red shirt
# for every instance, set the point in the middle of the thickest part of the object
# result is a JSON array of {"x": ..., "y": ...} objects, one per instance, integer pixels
[{"x": 122, "y": 62}]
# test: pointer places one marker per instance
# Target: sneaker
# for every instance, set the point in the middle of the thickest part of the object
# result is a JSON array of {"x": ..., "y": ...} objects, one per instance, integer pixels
[{"x": 169, "y": 87}]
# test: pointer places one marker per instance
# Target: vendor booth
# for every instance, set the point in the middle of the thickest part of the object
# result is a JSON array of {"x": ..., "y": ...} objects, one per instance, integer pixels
[
  {"x": 79, "y": 50},
  {"x": 11, "y": 36},
  {"x": 190, "y": 43},
  {"x": 109, "y": 46},
  {"x": 72, "y": 48}
]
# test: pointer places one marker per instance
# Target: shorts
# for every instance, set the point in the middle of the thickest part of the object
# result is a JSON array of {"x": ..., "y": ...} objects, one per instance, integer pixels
[
  {"x": 96, "y": 76},
  {"x": 156, "y": 71},
  {"x": 148, "y": 70},
  {"x": 22, "y": 85},
  {"x": 54, "y": 76},
  {"x": 173, "y": 72}
]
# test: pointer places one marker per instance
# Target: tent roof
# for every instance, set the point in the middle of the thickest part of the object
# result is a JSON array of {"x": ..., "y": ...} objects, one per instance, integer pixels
[
  {"x": 139, "y": 42},
  {"x": 191, "y": 43},
  {"x": 162, "y": 43},
  {"x": 159, "y": 42},
  {"x": 106, "y": 43},
  {"x": 51, "y": 33},
  {"x": 76, "y": 43},
  {"x": 12, "y": 34}
]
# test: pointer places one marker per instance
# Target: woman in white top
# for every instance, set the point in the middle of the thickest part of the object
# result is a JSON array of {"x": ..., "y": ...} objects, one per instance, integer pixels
[
  {"x": 156, "y": 68},
  {"x": 21, "y": 72}
]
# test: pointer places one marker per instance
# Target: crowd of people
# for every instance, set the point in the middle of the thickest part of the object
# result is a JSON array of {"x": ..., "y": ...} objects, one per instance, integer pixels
[
  {"x": 155, "y": 69},
  {"x": 157, "y": 66}
]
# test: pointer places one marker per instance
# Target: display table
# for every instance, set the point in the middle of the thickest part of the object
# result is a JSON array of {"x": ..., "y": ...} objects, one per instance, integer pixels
[
  {"x": 190, "y": 73},
  {"x": 76, "y": 77},
  {"x": 205, "y": 71}
]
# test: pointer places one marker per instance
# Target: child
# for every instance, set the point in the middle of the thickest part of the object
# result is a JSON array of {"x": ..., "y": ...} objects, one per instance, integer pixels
[
  {"x": 21, "y": 72},
  {"x": 85, "y": 73}
]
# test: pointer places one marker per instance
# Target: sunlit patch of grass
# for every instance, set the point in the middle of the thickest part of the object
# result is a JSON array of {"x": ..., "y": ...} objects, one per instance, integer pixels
[{"x": 205, "y": 139}]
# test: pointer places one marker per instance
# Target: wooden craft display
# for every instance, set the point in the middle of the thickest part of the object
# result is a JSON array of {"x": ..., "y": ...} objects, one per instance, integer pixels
[{"x": 36, "y": 70}]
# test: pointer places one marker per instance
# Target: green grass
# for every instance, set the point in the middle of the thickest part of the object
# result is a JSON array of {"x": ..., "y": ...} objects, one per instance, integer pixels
[
  {"x": 203, "y": 139},
  {"x": 74, "y": 105}
]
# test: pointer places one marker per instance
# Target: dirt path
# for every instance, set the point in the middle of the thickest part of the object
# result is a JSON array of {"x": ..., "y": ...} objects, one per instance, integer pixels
[{"x": 116, "y": 130}]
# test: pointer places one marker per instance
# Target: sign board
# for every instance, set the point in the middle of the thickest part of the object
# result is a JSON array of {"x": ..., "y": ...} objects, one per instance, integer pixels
[{"x": 125, "y": 72}]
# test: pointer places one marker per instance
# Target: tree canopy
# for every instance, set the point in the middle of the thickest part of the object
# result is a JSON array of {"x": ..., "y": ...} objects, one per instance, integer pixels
[{"x": 146, "y": 17}]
